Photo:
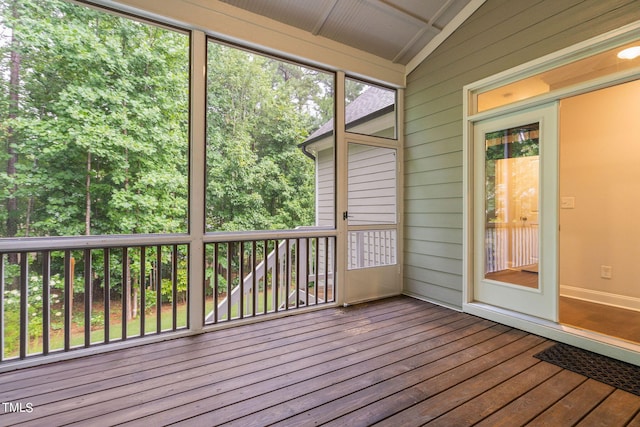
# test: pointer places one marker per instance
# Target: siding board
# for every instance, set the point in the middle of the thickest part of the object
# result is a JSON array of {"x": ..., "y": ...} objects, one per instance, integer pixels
[
  {"x": 442, "y": 117},
  {"x": 447, "y": 250},
  {"x": 438, "y": 176},
  {"x": 436, "y": 191},
  {"x": 436, "y": 133},
  {"x": 437, "y": 235},
  {"x": 501, "y": 34},
  {"x": 442, "y": 280},
  {"x": 438, "y": 161}
]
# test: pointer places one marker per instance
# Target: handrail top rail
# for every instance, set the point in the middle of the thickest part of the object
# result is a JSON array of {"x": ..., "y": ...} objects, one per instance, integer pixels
[
  {"x": 28, "y": 244},
  {"x": 298, "y": 232}
]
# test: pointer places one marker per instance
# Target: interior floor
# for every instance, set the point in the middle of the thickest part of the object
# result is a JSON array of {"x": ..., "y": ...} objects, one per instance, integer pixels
[
  {"x": 515, "y": 277},
  {"x": 604, "y": 319}
]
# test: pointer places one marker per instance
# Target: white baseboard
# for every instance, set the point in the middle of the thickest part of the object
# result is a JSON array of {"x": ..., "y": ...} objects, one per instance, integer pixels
[{"x": 599, "y": 297}]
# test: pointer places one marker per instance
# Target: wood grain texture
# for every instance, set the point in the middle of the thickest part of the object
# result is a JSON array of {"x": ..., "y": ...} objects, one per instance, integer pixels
[{"x": 397, "y": 361}]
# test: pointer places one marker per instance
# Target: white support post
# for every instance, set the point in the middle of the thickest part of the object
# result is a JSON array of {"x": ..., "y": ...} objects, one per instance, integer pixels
[
  {"x": 342, "y": 152},
  {"x": 197, "y": 172}
]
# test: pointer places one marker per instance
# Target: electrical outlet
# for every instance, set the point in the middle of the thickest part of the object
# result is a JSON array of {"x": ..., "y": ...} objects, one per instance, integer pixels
[{"x": 605, "y": 271}]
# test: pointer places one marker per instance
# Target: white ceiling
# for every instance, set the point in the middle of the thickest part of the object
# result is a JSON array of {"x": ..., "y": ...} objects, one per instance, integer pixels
[{"x": 396, "y": 30}]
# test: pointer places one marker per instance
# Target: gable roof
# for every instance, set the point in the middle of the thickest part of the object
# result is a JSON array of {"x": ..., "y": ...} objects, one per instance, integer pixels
[{"x": 372, "y": 103}]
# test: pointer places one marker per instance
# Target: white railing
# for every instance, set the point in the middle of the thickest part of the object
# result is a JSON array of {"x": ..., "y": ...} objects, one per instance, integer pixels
[
  {"x": 371, "y": 248},
  {"x": 510, "y": 246}
]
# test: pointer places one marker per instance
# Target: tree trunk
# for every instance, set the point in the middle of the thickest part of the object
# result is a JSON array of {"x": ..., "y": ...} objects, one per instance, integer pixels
[
  {"x": 87, "y": 212},
  {"x": 12, "y": 140}
]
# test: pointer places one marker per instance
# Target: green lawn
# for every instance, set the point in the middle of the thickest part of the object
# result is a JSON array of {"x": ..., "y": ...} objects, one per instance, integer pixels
[{"x": 56, "y": 337}]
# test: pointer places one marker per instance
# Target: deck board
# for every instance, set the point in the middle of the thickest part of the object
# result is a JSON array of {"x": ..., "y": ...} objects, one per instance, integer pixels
[{"x": 398, "y": 361}]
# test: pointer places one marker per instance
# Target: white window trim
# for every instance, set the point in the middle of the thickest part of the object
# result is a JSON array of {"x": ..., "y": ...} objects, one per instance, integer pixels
[{"x": 548, "y": 62}]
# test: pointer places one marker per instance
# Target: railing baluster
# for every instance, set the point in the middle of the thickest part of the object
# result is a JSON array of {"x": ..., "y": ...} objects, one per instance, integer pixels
[
  {"x": 298, "y": 271},
  {"x": 288, "y": 275},
  {"x": 326, "y": 269},
  {"x": 159, "y": 289},
  {"x": 333, "y": 268},
  {"x": 46, "y": 300},
  {"x": 306, "y": 269},
  {"x": 229, "y": 244},
  {"x": 253, "y": 279},
  {"x": 143, "y": 289},
  {"x": 107, "y": 293},
  {"x": 174, "y": 284},
  {"x": 241, "y": 282},
  {"x": 24, "y": 306},
  {"x": 276, "y": 285},
  {"x": 187, "y": 296},
  {"x": 2, "y": 325},
  {"x": 265, "y": 257},
  {"x": 68, "y": 298},
  {"x": 316, "y": 270},
  {"x": 125, "y": 290},
  {"x": 215, "y": 281},
  {"x": 88, "y": 297}
]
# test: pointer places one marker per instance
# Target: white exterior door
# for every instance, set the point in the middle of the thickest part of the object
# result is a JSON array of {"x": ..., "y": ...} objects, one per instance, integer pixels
[
  {"x": 373, "y": 270},
  {"x": 515, "y": 212}
]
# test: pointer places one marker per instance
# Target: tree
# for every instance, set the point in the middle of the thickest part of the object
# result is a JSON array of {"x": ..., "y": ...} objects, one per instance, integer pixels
[
  {"x": 259, "y": 110},
  {"x": 103, "y": 142},
  {"x": 96, "y": 126}
]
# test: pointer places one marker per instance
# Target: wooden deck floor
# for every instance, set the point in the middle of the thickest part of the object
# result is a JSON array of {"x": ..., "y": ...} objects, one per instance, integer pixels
[{"x": 394, "y": 362}]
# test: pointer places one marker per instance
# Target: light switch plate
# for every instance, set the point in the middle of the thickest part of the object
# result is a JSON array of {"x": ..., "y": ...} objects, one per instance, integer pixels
[{"x": 567, "y": 202}]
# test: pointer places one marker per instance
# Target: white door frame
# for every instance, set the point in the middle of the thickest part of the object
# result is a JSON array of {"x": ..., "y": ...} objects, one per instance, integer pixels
[
  {"x": 373, "y": 282},
  {"x": 543, "y": 301},
  {"x": 353, "y": 284},
  {"x": 592, "y": 341}
]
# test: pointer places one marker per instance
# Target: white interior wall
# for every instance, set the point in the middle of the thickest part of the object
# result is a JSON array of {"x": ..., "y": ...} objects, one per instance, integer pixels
[{"x": 599, "y": 173}]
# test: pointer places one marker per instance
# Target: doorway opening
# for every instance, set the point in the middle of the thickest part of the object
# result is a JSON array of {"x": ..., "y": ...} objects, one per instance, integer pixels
[{"x": 599, "y": 153}]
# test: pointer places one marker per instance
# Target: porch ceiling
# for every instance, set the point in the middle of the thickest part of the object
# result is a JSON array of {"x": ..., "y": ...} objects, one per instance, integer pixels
[{"x": 396, "y": 30}]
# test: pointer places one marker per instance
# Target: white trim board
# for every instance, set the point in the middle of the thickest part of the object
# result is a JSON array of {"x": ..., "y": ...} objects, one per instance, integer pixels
[
  {"x": 599, "y": 297},
  {"x": 587, "y": 340},
  {"x": 236, "y": 25}
]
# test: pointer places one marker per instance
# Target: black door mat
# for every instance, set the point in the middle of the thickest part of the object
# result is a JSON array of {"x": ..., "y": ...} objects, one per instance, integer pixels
[{"x": 615, "y": 373}]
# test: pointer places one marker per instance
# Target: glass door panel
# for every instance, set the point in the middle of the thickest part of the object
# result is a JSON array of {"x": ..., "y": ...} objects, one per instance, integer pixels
[{"x": 512, "y": 165}]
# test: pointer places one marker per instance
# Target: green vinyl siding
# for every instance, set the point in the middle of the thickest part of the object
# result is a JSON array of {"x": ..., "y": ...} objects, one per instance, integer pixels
[{"x": 500, "y": 35}]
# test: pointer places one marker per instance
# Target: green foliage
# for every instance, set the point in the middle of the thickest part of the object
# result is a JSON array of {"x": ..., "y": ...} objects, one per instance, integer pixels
[
  {"x": 258, "y": 111},
  {"x": 35, "y": 301},
  {"x": 100, "y": 131},
  {"x": 97, "y": 126},
  {"x": 102, "y": 125}
]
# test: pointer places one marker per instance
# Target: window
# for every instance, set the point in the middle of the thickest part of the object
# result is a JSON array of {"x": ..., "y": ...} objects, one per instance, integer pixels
[
  {"x": 266, "y": 142},
  {"x": 94, "y": 123},
  {"x": 619, "y": 59},
  {"x": 370, "y": 109}
]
